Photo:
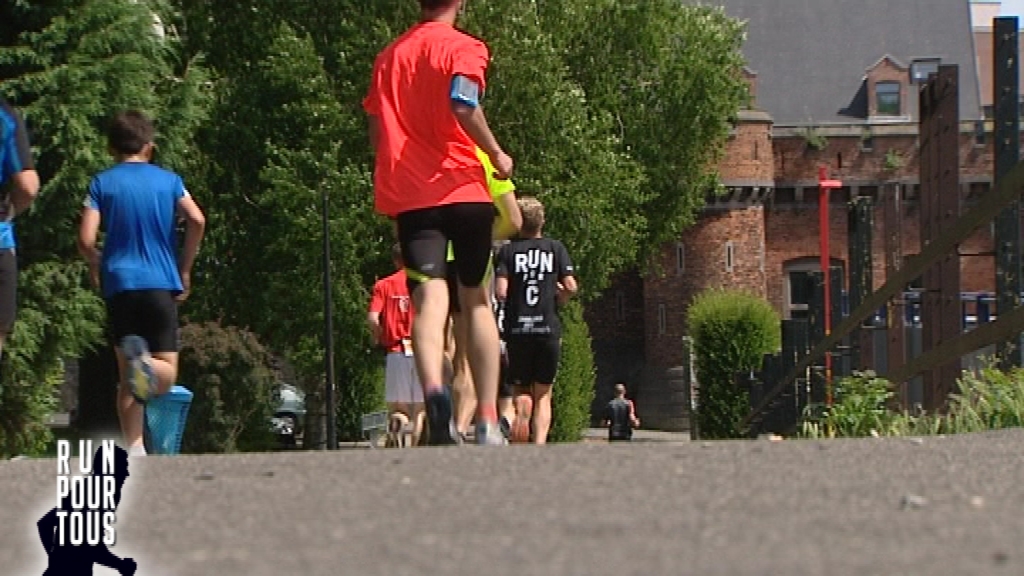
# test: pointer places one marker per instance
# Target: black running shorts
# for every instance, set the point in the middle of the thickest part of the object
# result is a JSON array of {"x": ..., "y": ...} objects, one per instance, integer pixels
[
  {"x": 533, "y": 359},
  {"x": 8, "y": 290},
  {"x": 149, "y": 314},
  {"x": 424, "y": 235}
]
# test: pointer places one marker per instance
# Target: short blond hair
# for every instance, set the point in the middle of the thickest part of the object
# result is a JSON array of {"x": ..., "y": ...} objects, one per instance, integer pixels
[{"x": 533, "y": 214}]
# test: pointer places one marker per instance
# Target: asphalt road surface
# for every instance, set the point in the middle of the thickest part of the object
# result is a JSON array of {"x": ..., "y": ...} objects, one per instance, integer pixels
[{"x": 932, "y": 506}]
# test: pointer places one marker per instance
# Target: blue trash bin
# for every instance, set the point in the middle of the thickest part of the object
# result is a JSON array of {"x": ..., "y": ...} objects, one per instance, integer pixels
[{"x": 165, "y": 420}]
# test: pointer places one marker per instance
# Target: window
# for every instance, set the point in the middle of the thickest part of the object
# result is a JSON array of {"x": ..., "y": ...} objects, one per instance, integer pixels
[
  {"x": 620, "y": 305},
  {"x": 979, "y": 133},
  {"x": 887, "y": 98},
  {"x": 680, "y": 259},
  {"x": 798, "y": 289},
  {"x": 730, "y": 256},
  {"x": 662, "y": 320},
  {"x": 921, "y": 69},
  {"x": 867, "y": 142},
  {"x": 784, "y": 196}
]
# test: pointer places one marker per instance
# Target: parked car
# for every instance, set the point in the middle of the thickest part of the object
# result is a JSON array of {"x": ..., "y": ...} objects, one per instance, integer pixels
[{"x": 289, "y": 414}]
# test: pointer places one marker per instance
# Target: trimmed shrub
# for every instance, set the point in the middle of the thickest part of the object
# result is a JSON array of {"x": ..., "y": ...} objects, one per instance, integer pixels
[
  {"x": 731, "y": 331},
  {"x": 573, "y": 390},
  {"x": 229, "y": 373}
]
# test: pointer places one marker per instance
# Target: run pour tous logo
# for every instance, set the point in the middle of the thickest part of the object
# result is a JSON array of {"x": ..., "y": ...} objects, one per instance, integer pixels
[{"x": 76, "y": 533}]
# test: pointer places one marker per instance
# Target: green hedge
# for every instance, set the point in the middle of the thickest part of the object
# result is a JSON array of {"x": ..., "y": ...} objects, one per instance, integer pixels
[
  {"x": 731, "y": 331},
  {"x": 235, "y": 392},
  {"x": 573, "y": 390}
]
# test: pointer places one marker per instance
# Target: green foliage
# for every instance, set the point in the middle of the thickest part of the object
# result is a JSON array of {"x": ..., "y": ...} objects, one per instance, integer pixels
[
  {"x": 58, "y": 319},
  {"x": 669, "y": 74},
  {"x": 860, "y": 409},
  {"x": 573, "y": 393},
  {"x": 988, "y": 399},
  {"x": 235, "y": 392},
  {"x": 69, "y": 66},
  {"x": 731, "y": 332},
  {"x": 814, "y": 140},
  {"x": 621, "y": 163},
  {"x": 893, "y": 159},
  {"x": 568, "y": 153}
]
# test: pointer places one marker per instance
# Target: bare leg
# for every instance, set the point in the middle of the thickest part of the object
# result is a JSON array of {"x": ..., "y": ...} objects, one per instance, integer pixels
[
  {"x": 165, "y": 366},
  {"x": 541, "y": 412},
  {"x": 431, "y": 302},
  {"x": 129, "y": 412},
  {"x": 398, "y": 417},
  {"x": 506, "y": 409},
  {"x": 417, "y": 415},
  {"x": 482, "y": 350},
  {"x": 464, "y": 396}
]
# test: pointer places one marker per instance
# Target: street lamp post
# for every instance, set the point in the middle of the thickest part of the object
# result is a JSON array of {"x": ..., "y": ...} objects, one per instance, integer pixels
[
  {"x": 824, "y": 187},
  {"x": 332, "y": 429}
]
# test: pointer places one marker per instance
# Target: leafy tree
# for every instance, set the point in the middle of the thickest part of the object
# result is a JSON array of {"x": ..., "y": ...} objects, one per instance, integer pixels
[
  {"x": 234, "y": 390},
  {"x": 670, "y": 75},
  {"x": 277, "y": 152},
  {"x": 69, "y": 65},
  {"x": 567, "y": 152}
]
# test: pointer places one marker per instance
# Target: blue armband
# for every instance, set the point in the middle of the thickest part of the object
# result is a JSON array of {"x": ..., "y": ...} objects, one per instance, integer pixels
[
  {"x": 7, "y": 240},
  {"x": 465, "y": 91}
]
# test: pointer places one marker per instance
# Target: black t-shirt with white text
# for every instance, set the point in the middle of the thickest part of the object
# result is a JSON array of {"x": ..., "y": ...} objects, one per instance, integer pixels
[{"x": 533, "y": 266}]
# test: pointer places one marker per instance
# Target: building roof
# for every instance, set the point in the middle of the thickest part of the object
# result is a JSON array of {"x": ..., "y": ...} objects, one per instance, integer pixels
[{"x": 811, "y": 56}]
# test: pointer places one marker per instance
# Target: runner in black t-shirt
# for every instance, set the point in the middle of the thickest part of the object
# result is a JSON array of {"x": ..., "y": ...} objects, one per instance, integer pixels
[
  {"x": 534, "y": 275},
  {"x": 620, "y": 416}
]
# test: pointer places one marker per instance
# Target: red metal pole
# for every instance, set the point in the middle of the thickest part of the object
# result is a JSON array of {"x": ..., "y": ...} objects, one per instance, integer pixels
[{"x": 824, "y": 187}]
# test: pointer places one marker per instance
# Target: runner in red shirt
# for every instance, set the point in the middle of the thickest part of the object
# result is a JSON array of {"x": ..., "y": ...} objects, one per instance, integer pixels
[
  {"x": 425, "y": 124},
  {"x": 390, "y": 318}
]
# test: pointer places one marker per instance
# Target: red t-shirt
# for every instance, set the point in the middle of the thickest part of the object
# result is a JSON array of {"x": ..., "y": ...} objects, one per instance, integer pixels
[
  {"x": 391, "y": 300},
  {"x": 424, "y": 158}
]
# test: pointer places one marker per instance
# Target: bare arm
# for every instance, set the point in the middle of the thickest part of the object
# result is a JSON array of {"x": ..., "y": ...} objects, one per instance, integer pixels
[
  {"x": 88, "y": 230},
  {"x": 373, "y": 320},
  {"x": 567, "y": 288},
  {"x": 501, "y": 288},
  {"x": 195, "y": 227},
  {"x": 25, "y": 190},
  {"x": 473, "y": 121}
]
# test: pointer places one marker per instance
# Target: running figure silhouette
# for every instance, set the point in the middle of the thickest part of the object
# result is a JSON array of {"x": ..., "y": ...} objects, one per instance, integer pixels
[{"x": 70, "y": 560}]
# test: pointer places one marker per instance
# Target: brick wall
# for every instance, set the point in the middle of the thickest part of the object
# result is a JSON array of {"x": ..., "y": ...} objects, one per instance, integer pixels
[
  {"x": 749, "y": 157},
  {"x": 792, "y": 233},
  {"x": 704, "y": 267},
  {"x": 848, "y": 160},
  {"x": 618, "y": 314}
]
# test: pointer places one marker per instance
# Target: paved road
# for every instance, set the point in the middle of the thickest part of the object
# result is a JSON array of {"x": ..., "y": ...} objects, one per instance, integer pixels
[{"x": 936, "y": 506}]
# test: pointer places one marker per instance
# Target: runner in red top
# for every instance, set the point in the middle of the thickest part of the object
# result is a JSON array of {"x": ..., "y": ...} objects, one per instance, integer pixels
[
  {"x": 390, "y": 318},
  {"x": 425, "y": 124}
]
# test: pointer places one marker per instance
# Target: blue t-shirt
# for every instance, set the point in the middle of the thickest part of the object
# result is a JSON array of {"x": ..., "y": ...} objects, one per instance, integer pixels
[
  {"x": 137, "y": 204},
  {"x": 15, "y": 154}
]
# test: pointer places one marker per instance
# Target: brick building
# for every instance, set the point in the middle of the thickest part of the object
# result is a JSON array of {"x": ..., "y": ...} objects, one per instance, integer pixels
[{"x": 834, "y": 82}]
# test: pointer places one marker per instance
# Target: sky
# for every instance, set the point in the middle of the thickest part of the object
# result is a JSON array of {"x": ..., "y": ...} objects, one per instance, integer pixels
[{"x": 1013, "y": 8}]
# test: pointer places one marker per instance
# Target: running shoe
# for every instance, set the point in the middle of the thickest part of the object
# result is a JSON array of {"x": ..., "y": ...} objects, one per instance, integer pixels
[
  {"x": 142, "y": 379},
  {"x": 489, "y": 434},
  {"x": 441, "y": 428}
]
